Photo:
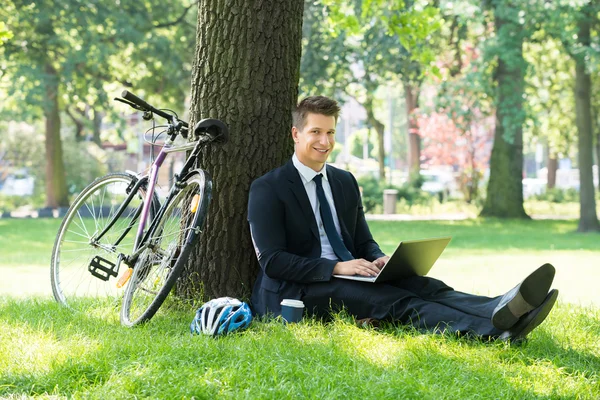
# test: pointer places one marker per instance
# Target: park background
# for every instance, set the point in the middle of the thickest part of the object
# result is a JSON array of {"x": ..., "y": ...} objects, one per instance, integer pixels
[{"x": 482, "y": 116}]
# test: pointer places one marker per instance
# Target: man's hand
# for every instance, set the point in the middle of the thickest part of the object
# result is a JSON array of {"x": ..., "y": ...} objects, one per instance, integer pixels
[
  {"x": 356, "y": 267},
  {"x": 381, "y": 261}
]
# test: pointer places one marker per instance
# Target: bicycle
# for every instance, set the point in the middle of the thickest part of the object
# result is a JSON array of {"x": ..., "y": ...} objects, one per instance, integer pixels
[{"x": 118, "y": 219}]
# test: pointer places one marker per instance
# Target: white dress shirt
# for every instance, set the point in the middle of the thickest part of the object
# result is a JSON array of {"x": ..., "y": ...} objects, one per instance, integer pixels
[{"x": 307, "y": 174}]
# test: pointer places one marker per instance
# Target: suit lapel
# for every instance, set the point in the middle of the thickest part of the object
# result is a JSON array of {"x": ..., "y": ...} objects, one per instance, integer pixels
[{"x": 297, "y": 187}]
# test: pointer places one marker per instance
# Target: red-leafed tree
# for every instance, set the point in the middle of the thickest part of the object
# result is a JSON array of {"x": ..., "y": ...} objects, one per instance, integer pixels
[
  {"x": 466, "y": 148},
  {"x": 459, "y": 129}
]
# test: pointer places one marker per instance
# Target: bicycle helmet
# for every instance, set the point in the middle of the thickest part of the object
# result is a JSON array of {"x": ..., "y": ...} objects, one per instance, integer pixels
[{"x": 221, "y": 316}]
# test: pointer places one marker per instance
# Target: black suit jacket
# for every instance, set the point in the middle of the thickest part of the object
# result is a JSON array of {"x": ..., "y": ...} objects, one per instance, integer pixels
[{"x": 286, "y": 237}]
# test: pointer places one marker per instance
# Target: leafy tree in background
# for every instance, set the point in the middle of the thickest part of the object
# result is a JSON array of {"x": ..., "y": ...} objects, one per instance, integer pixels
[
  {"x": 456, "y": 121},
  {"x": 65, "y": 55},
  {"x": 376, "y": 42},
  {"x": 505, "y": 188},
  {"x": 325, "y": 63},
  {"x": 550, "y": 105},
  {"x": 576, "y": 25}
]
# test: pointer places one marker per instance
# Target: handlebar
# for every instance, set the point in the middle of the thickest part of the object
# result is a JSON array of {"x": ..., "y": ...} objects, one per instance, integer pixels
[
  {"x": 144, "y": 106},
  {"x": 213, "y": 129}
]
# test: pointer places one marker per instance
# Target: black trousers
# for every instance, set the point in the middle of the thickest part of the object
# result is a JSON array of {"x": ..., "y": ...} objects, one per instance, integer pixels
[{"x": 426, "y": 303}]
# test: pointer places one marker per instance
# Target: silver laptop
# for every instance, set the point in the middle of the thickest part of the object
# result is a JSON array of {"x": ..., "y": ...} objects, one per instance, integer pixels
[{"x": 411, "y": 257}]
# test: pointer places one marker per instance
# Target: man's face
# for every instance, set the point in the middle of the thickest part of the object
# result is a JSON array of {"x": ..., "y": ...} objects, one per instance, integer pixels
[{"x": 315, "y": 141}]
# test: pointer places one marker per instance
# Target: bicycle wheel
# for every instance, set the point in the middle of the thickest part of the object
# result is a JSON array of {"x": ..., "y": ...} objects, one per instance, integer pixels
[
  {"x": 160, "y": 264},
  {"x": 81, "y": 271}
]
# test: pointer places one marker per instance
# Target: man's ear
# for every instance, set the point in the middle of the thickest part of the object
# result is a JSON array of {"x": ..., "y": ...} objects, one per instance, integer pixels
[{"x": 295, "y": 133}]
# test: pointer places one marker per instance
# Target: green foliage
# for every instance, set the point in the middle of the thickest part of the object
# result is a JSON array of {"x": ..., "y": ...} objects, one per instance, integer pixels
[
  {"x": 9, "y": 203},
  {"x": 372, "y": 192},
  {"x": 84, "y": 162},
  {"x": 380, "y": 39},
  {"x": 551, "y": 101},
  {"x": 5, "y": 34},
  {"x": 93, "y": 51},
  {"x": 557, "y": 195},
  {"x": 356, "y": 141},
  {"x": 324, "y": 66},
  {"x": 23, "y": 147}
]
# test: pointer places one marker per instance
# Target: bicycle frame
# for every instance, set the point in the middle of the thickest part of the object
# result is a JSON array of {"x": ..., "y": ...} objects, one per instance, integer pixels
[{"x": 152, "y": 179}]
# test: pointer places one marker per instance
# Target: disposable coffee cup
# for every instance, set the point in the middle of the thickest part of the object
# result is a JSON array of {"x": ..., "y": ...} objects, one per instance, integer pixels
[{"x": 291, "y": 310}]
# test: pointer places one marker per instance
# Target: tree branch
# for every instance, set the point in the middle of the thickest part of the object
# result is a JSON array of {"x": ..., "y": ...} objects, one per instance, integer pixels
[
  {"x": 178, "y": 20},
  {"x": 78, "y": 123}
]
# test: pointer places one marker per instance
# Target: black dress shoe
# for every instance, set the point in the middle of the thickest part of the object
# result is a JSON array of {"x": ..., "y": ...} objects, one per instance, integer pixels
[
  {"x": 532, "y": 320},
  {"x": 523, "y": 298}
]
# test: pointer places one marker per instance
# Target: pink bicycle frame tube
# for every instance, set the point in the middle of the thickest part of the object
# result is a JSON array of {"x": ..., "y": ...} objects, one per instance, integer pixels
[{"x": 150, "y": 193}]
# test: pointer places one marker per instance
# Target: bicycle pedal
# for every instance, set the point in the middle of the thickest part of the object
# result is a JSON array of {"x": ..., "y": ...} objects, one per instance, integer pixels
[{"x": 103, "y": 269}]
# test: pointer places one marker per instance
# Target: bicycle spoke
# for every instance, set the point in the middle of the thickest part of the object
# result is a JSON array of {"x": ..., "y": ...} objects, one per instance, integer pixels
[
  {"x": 151, "y": 280},
  {"x": 74, "y": 251}
]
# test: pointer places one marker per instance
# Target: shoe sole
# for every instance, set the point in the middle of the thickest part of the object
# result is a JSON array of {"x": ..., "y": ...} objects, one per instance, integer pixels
[
  {"x": 530, "y": 294},
  {"x": 535, "y": 318}
]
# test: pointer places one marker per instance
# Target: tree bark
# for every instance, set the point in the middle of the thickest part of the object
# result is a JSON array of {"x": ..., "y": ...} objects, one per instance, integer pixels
[
  {"x": 245, "y": 73},
  {"x": 505, "y": 187},
  {"x": 588, "y": 219},
  {"x": 56, "y": 183},
  {"x": 97, "y": 127},
  {"x": 411, "y": 96}
]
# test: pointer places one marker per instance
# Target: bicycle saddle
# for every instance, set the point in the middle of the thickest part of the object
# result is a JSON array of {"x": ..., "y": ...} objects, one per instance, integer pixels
[{"x": 215, "y": 129}]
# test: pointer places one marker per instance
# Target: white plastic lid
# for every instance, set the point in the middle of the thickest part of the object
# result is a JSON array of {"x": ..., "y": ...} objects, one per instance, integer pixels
[{"x": 292, "y": 303}]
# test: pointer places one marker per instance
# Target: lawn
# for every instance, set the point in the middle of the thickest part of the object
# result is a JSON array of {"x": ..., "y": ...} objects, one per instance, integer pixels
[{"x": 49, "y": 352}]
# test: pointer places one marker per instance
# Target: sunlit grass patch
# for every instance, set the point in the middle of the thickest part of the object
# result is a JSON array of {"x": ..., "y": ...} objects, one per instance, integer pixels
[{"x": 90, "y": 355}]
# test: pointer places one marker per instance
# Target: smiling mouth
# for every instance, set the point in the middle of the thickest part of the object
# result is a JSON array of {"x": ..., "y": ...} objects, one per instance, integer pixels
[{"x": 321, "y": 151}]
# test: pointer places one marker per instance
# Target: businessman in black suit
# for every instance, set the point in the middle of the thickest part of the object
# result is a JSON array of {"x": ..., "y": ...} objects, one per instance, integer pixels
[{"x": 307, "y": 224}]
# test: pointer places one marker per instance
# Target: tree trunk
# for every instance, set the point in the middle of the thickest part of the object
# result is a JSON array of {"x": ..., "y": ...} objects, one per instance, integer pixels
[
  {"x": 56, "y": 183},
  {"x": 245, "y": 73},
  {"x": 411, "y": 95},
  {"x": 79, "y": 127},
  {"x": 588, "y": 219},
  {"x": 505, "y": 187},
  {"x": 598, "y": 159},
  {"x": 379, "y": 129},
  {"x": 552, "y": 168},
  {"x": 97, "y": 127}
]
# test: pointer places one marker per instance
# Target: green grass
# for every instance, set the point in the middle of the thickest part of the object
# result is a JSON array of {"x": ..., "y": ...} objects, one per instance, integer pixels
[
  {"x": 27, "y": 241},
  {"x": 46, "y": 351}
]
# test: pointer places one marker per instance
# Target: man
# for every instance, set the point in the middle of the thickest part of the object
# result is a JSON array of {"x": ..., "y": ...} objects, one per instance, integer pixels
[{"x": 307, "y": 224}]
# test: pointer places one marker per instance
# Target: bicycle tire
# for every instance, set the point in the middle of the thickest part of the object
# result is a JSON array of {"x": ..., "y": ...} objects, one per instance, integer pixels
[
  {"x": 70, "y": 276},
  {"x": 161, "y": 263}
]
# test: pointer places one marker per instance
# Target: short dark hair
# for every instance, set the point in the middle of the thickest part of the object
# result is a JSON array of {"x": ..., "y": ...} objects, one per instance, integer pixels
[{"x": 316, "y": 105}]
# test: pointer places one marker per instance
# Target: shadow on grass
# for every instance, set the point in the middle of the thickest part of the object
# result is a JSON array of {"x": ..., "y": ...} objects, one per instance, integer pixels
[{"x": 92, "y": 355}]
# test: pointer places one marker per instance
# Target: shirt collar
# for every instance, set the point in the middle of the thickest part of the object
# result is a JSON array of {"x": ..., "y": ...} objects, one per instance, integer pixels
[{"x": 308, "y": 173}]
